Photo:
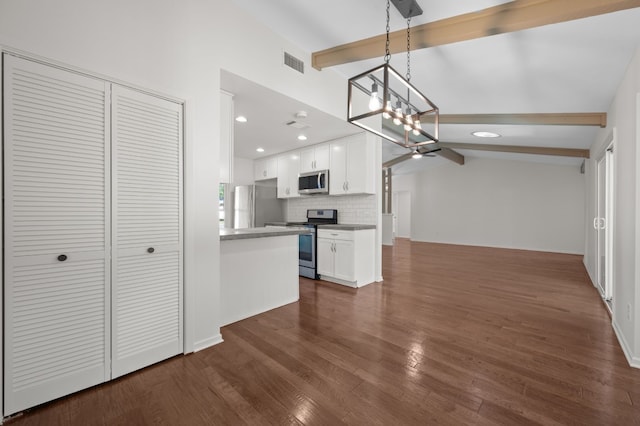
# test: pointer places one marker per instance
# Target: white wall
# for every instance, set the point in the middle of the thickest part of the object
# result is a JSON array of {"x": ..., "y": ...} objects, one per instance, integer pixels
[
  {"x": 624, "y": 117},
  {"x": 176, "y": 48},
  {"x": 402, "y": 213},
  {"x": 500, "y": 203},
  {"x": 242, "y": 171}
]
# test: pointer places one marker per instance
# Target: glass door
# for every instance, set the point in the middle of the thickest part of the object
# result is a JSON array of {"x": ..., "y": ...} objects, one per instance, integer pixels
[
  {"x": 307, "y": 250},
  {"x": 603, "y": 224}
]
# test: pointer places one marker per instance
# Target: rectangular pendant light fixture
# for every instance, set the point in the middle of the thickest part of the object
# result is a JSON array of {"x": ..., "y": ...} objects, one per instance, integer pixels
[{"x": 381, "y": 101}]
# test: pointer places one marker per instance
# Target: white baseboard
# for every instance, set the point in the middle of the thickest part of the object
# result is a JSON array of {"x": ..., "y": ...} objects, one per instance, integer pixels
[
  {"x": 339, "y": 281},
  {"x": 207, "y": 343},
  {"x": 239, "y": 316},
  {"x": 634, "y": 361}
]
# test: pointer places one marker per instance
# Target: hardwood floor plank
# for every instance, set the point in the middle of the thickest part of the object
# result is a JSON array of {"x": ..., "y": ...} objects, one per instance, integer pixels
[{"x": 455, "y": 335}]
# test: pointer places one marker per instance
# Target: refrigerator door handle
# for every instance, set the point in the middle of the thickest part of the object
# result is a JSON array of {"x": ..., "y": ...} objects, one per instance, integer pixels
[{"x": 252, "y": 208}]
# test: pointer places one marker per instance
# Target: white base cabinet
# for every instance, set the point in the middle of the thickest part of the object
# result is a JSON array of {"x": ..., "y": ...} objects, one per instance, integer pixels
[{"x": 346, "y": 257}]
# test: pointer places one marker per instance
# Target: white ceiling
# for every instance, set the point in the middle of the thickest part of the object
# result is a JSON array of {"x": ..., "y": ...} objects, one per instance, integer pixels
[{"x": 569, "y": 67}]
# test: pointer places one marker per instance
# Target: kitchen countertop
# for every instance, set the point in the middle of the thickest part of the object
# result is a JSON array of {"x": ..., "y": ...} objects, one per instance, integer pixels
[
  {"x": 347, "y": 227},
  {"x": 339, "y": 226},
  {"x": 275, "y": 224},
  {"x": 227, "y": 234}
]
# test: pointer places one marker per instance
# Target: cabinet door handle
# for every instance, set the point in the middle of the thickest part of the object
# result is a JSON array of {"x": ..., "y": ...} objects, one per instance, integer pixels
[
  {"x": 150, "y": 250},
  {"x": 347, "y": 185},
  {"x": 62, "y": 257}
]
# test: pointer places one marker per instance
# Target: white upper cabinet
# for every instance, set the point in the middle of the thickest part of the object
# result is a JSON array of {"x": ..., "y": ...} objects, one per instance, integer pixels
[
  {"x": 265, "y": 168},
  {"x": 288, "y": 170},
  {"x": 314, "y": 158},
  {"x": 352, "y": 166},
  {"x": 226, "y": 137}
]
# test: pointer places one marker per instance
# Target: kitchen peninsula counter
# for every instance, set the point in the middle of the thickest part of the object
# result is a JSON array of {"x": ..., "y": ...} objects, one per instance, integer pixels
[
  {"x": 258, "y": 271},
  {"x": 227, "y": 234}
]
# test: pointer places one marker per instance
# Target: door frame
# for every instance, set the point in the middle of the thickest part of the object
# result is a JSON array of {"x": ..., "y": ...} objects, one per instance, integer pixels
[{"x": 608, "y": 155}]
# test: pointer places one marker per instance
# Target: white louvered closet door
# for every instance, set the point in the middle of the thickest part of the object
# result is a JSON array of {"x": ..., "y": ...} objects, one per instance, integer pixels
[
  {"x": 147, "y": 230},
  {"x": 56, "y": 270}
]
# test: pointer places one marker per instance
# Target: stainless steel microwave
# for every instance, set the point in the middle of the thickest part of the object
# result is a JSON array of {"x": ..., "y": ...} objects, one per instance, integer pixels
[{"x": 314, "y": 182}]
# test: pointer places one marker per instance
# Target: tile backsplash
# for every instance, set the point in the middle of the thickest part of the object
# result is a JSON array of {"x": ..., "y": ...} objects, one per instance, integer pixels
[{"x": 352, "y": 209}]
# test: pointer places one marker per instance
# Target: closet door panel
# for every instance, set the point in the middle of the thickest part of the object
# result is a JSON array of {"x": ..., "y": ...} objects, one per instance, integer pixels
[
  {"x": 147, "y": 230},
  {"x": 57, "y": 318}
]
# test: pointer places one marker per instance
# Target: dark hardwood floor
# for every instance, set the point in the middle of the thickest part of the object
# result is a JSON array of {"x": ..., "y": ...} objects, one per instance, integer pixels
[{"x": 455, "y": 335}]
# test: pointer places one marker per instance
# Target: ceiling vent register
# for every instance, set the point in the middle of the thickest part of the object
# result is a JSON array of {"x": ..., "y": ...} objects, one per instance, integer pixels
[{"x": 293, "y": 62}]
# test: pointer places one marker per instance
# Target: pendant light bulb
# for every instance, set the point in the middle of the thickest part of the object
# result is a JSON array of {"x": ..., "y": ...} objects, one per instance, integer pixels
[
  {"x": 398, "y": 114},
  {"x": 387, "y": 109},
  {"x": 408, "y": 121},
  {"x": 416, "y": 155},
  {"x": 416, "y": 127},
  {"x": 374, "y": 102}
]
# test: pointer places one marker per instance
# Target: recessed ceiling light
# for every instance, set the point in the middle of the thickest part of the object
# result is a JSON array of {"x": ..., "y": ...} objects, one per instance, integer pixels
[
  {"x": 241, "y": 119},
  {"x": 485, "y": 135},
  {"x": 302, "y": 138},
  {"x": 260, "y": 149}
]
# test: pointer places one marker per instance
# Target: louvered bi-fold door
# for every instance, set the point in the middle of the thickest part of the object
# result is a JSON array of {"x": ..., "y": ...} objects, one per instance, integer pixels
[
  {"x": 147, "y": 230},
  {"x": 56, "y": 269}
]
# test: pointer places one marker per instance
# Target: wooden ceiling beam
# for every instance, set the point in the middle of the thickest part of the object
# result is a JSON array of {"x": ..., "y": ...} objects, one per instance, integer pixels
[
  {"x": 450, "y": 154},
  {"x": 509, "y": 17},
  {"x": 544, "y": 119},
  {"x": 562, "y": 152},
  {"x": 397, "y": 160}
]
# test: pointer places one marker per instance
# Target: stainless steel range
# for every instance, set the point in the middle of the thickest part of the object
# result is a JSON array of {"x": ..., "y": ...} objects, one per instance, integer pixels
[{"x": 307, "y": 242}]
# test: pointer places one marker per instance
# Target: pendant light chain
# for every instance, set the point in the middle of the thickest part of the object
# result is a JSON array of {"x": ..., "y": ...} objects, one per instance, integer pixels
[
  {"x": 409, "y": 48},
  {"x": 385, "y": 89},
  {"x": 387, "y": 55}
]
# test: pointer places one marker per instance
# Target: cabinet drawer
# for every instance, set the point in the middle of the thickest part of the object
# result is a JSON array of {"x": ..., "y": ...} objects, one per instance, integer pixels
[{"x": 335, "y": 234}]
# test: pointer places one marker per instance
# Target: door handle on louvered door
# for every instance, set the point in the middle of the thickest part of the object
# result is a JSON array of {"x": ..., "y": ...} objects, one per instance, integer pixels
[
  {"x": 151, "y": 250},
  {"x": 62, "y": 257},
  {"x": 595, "y": 223}
]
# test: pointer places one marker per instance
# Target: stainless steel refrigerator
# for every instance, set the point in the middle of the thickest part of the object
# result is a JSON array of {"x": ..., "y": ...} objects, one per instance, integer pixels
[{"x": 256, "y": 204}]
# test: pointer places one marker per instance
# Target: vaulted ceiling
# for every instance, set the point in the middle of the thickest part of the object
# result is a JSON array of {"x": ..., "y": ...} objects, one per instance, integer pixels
[{"x": 493, "y": 61}]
